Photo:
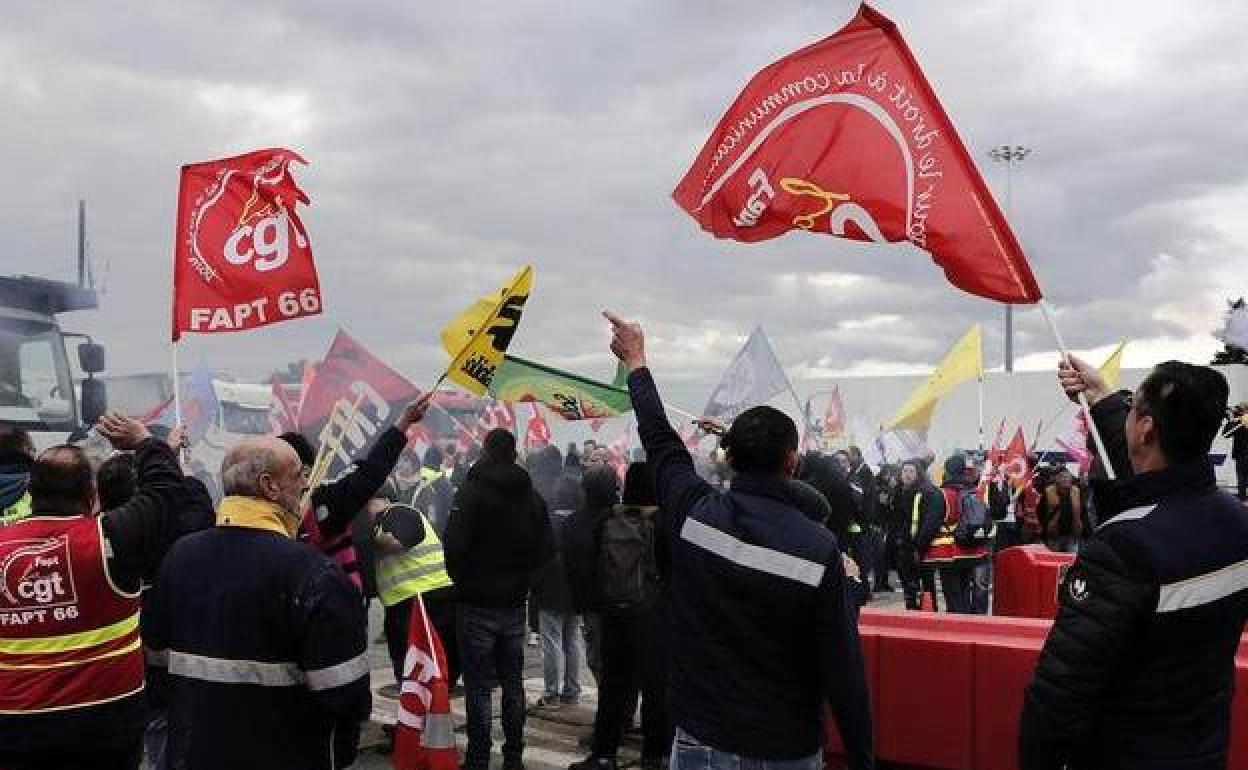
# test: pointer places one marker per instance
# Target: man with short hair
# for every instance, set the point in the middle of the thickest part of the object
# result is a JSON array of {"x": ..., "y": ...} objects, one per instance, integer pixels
[
  {"x": 263, "y": 637},
  {"x": 1138, "y": 671},
  {"x": 497, "y": 539},
  {"x": 17, "y": 454},
  {"x": 71, "y": 662},
  {"x": 763, "y": 632}
]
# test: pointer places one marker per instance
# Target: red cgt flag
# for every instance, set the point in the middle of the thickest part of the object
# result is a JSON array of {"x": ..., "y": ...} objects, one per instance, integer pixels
[
  {"x": 424, "y": 737},
  {"x": 846, "y": 137},
  {"x": 241, "y": 256}
]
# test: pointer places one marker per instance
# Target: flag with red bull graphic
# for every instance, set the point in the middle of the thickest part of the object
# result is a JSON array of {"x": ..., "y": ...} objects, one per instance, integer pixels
[
  {"x": 846, "y": 137},
  {"x": 241, "y": 255}
]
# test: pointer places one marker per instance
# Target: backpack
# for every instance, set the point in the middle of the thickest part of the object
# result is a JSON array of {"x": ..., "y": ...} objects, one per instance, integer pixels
[
  {"x": 628, "y": 571},
  {"x": 974, "y": 525}
]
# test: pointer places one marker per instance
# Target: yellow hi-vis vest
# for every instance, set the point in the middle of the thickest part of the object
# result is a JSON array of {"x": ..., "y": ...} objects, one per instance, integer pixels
[
  {"x": 16, "y": 512},
  {"x": 418, "y": 570}
]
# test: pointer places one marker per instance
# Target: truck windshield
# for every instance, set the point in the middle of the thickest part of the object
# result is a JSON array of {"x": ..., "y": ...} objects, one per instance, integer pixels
[
  {"x": 239, "y": 419},
  {"x": 36, "y": 391}
]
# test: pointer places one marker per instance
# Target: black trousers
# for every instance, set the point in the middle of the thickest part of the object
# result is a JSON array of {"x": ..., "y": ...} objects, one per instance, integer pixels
[
  {"x": 633, "y": 650},
  {"x": 1241, "y": 476},
  {"x": 916, "y": 579},
  {"x": 885, "y": 555},
  {"x": 957, "y": 582},
  {"x": 119, "y": 754}
]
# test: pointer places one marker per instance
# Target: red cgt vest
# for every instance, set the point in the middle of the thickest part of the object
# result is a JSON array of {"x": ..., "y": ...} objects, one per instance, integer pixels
[
  {"x": 69, "y": 637},
  {"x": 944, "y": 548}
]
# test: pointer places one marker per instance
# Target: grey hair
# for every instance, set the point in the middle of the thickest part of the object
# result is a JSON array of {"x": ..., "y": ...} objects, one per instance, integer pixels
[{"x": 243, "y": 466}]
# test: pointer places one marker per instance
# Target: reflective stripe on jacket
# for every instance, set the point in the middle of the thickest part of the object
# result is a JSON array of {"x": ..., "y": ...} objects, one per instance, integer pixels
[
  {"x": 418, "y": 570},
  {"x": 69, "y": 637}
]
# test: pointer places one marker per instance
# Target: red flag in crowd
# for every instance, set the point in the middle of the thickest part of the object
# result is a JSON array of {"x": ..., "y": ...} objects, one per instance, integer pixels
[
  {"x": 282, "y": 413},
  {"x": 424, "y": 737},
  {"x": 834, "y": 418},
  {"x": 538, "y": 433},
  {"x": 241, "y": 256},
  {"x": 846, "y": 137},
  {"x": 309, "y": 377},
  {"x": 1014, "y": 459},
  {"x": 1075, "y": 442},
  {"x": 496, "y": 414},
  {"x": 352, "y": 376}
]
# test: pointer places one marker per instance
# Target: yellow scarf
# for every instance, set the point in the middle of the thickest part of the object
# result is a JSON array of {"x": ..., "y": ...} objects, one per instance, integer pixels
[{"x": 255, "y": 513}]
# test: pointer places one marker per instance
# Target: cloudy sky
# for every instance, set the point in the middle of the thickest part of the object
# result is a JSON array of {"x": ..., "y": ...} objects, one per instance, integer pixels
[{"x": 451, "y": 142}]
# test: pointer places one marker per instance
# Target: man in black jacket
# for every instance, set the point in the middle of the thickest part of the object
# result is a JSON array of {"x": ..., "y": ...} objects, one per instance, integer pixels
[
  {"x": 763, "y": 631},
  {"x": 1138, "y": 671},
  {"x": 262, "y": 638},
  {"x": 498, "y": 537},
  {"x": 917, "y": 500}
]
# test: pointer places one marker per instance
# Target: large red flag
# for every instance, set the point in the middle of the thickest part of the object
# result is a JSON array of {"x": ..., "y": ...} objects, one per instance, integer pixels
[
  {"x": 424, "y": 737},
  {"x": 846, "y": 137},
  {"x": 351, "y": 376},
  {"x": 241, "y": 257}
]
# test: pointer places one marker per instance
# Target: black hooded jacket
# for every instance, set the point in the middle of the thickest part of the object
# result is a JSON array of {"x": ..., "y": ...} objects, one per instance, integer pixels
[
  {"x": 1139, "y": 668},
  {"x": 498, "y": 536}
]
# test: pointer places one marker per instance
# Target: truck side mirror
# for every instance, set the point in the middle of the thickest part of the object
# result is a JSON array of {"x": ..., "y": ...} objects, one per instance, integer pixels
[
  {"x": 94, "y": 397},
  {"x": 91, "y": 357}
]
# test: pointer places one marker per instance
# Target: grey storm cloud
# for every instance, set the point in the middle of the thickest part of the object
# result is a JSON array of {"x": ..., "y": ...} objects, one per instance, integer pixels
[{"x": 449, "y": 144}]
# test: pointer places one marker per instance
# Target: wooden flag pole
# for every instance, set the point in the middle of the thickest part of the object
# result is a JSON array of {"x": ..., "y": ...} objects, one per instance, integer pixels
[{"x": 1083, "y": 398}]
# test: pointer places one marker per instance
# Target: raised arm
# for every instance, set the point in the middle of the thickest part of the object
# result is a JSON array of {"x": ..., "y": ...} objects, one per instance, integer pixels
[
  {"x": 678, "y": 485},
  {"x": 336, "y": 503}
]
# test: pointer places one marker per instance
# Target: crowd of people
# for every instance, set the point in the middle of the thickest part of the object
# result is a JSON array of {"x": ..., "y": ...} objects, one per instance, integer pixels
[{"x": 717, "y": 595}]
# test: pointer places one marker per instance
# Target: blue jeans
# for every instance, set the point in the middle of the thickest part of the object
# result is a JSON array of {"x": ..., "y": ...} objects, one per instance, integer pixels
[
  {"x": 491, "y": 648},
  {"x": 561, "y": 654},
  {"x": 688, "y": 753}
]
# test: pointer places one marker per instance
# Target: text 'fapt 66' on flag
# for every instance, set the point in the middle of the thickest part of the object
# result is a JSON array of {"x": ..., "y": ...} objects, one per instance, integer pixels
[
  {"x": 241, "y": 256},
  {"x": 846, "y": 137}
]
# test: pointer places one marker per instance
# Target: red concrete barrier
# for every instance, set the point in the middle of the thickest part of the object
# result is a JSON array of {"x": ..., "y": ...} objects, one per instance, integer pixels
[
  {"x": 947, "y": 690},
  {"x": 1025, "y": 580}
]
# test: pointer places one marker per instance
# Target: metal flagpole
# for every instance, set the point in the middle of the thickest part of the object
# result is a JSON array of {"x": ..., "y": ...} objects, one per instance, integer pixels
[
  {"x": 1083, "y": 398},
  {"x": 981, "y": 411},
  {"x": 177, "y": 390}
]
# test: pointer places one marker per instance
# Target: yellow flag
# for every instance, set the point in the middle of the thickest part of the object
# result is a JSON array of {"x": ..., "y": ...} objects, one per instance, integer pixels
[
  {"x": 479, "y": 337},
  {"x": 1111, "y": 370},
  {"x": 458, "y": 332},
  {"x": 964, "y": 361}
]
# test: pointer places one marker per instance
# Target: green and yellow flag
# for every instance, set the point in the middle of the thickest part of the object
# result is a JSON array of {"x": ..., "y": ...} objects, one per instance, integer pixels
[
  {"x": 477, "y": 340},
  {"x": 568, "y": 395},
  {"x": 964, "y": 361}
]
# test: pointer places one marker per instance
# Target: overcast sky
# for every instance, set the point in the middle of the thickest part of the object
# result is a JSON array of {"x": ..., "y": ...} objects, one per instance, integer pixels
[{"x": 451, "y": 142}]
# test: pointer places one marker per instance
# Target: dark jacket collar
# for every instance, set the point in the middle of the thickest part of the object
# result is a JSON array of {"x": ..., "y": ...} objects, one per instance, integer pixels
[
  {"x": 1114, "y": 497},
  {"x": 775, "y": 487}
]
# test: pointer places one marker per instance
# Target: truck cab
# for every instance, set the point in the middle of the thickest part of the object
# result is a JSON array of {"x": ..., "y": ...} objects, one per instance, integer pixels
[{"x": 37, "y": 388}]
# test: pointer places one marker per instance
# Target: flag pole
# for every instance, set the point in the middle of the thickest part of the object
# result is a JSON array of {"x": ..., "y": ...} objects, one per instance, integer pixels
[
  {"x": 1083, "y": 398},
  {"x": 981, "y": 411},
  {"x": 177, "y": 390}
]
